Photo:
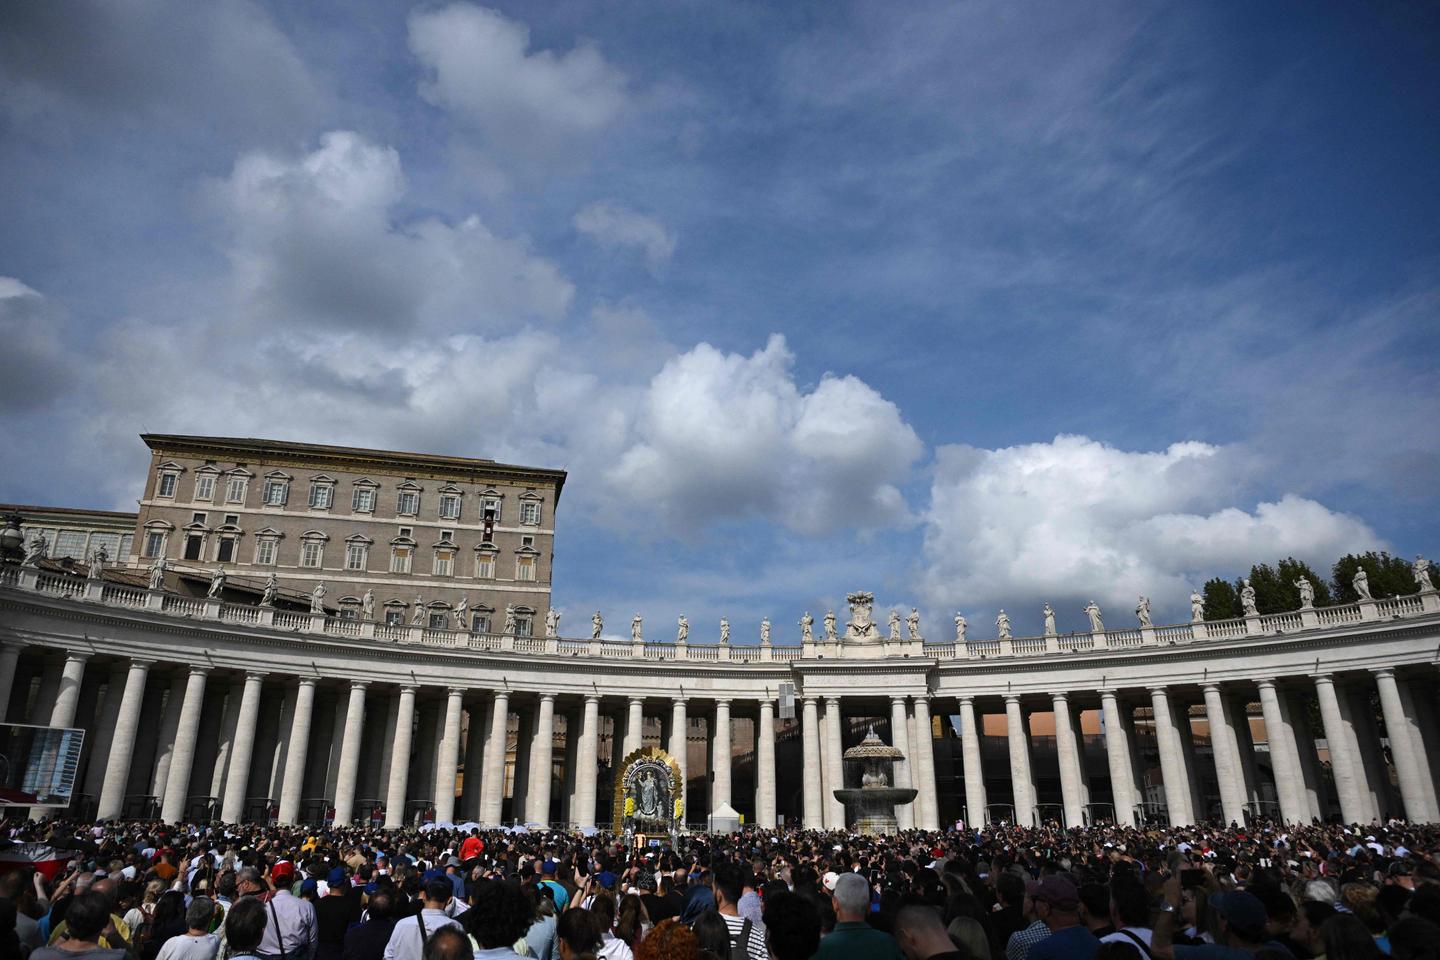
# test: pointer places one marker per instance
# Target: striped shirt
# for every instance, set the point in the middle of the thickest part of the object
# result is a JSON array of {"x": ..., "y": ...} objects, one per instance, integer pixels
[{"x": 756, "y": 946}]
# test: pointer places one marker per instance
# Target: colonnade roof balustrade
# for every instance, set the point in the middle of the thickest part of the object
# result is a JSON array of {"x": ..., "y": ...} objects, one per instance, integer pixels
[{"x": 1215, "y": 643}]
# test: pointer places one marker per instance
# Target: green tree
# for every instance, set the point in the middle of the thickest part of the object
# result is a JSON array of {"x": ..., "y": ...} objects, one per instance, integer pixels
[
  {"x": 1291, "y": 570},
  {"x": 1389, "y": 576},
  {"x": 1222, "y": 601},
  {"x": 1271, "y": 595}
]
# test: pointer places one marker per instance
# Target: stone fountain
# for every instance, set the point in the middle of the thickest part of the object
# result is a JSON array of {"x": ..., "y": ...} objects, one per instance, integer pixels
[{"x": 870, "y": 808}]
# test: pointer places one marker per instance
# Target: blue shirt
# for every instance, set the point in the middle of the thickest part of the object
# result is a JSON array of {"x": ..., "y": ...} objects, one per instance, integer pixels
[{"x": 1071, "y": 943}]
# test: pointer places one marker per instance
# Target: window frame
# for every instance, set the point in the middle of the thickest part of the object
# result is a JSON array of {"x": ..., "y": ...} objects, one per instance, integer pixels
[
  {"x": 272, "y": 484},
  {"x": 230, "y": 485},
  {"x": 208, "y": 496},
  {"x": 316, "y": 544},
  {"x": 166, "y": 484},
  {"x": 264, "y": 545}
]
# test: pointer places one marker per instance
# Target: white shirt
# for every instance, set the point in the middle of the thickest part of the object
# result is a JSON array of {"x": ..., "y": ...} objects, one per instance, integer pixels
[
  {"x": 406, "y": 942},
  {"x": 613, "y": 948},
  {"x": 186, "y": 947}
]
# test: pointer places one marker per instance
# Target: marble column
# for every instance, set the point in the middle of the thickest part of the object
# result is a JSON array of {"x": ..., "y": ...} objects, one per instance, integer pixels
[
  {"x": 923, "y": 768},
  {"x": 810, "y": 736},
  {"x": 1295, "y": 714},
  {"x": 1172, "y": 764},
  {"x": 399, "y": 764},
  {"x": 587, "y": 762},
  {"x": 293, "y": 787},
  {"x": 720, "y": 792},
  {"x": 122, "y": 742},
  {"x": 1413, "y": 788},
  {"x": 1354, "y": 806},
  {"x": 67, "y": 697},
  {"x": 1015, "y": 734},
  {"x": 1416, "y": 723},
  {"x": 477, "y": 731},
  {"x": 834, "y": 764},
  {"x": 680, "y": 748},
  {"x": 542, "y": 763},
  {"x": 1289, "y": 782},
  {"x": 1226, "y": 756},
  {"x": 232, "y": 808},
  {"x": 1123, "y": 792},
  {"x": 177, "y": 784},
  {"x": 496, "y": 748},
  {"x": 634, "y": 727},
  {"x": 102, "y": 733},
  {"x": 972, "y": 768},
  {"x": 350, "y": 743},
  {"x": 449, "y": 760},
  {"x": 165, "y": 747},
  {"x": 765, "y": 812},
  {"x": 9, "y": 664},
  {"x": 1072, "y": 801},
  {"x": 227, "y": 739},
  {"x": 900, "y": 740},
  {"x": 50, "y": 669}
]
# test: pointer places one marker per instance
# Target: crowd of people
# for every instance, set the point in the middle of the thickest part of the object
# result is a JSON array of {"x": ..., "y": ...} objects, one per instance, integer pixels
[{"x": 150, "y": 891}]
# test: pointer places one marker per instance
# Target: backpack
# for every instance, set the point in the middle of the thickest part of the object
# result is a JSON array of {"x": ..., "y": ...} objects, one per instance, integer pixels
[{"x": 740, "y": 942}]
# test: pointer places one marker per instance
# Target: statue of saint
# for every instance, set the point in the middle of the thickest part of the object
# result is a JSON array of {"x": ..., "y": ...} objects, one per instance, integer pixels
[
  {"x": 724, "y": 631},
  {"x": 272, "y": 589},
  {"x": 1247, "y": 600},
  {"x": 461, "y": 613},
  {"x": 682, "y": 631},
  {"x": 552, "y": 622},
  {"x": 1197, "y": 607},
  {"x": 367, "y": 603},
  {"x": 36, "y": 548},
  {"x": 317, "y": 598},
  {"x": 1361, "y": 583},
  {"x": 1142, "y": 611},
  {"x": 830, "y": 636},
  {"x": 97, "y": 564},
  {"x": 418, "y": 615},
  {"x": 1092, "y": 610},
  {"x": 912, "y": 624},
  {"x": 1049, "y": 620},
  {"x": 807, "y": 628},
  {"x": 894, "y": 625},
  {"x": 509, "y": 619},
  {"x": 1307, "y": 593},
  {"x": 637, "y": 633},
  {"x": 1421, "y": 572},
  {"x": 157, "y": 573},
  {"x": 960, "y": 625},
  {"x": 649, "y": 790},
  {"x": 217, "y": 583},
  {"x": 1002, "y": 623},
  {"x": 765, "y": 632},
  {"x": 597, "y": 624}
]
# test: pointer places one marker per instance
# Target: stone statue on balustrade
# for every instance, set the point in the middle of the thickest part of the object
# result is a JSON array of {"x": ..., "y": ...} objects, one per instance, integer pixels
[
  {"x": 157, "y": 574},
  {"x": 807, "y": 628},
  {"x": 217, "y": 583},
  {"x": 682, "y": 629},
  {"x": 552, "y": 622},
  {"x": 830, "y": 636},
  {"x": 960, "y": 625},
  {"x": 1361, "y": 583},
  {"x": 97, "y": 564},
  {"x": 894, "y": 625},
  {"x": 1421, "y": 572},
  {"x": 1307, "y": 593},
  {"x": 1142, "y": 612},
  {"x": 367, "y": 602},
  {"x": 861, "y": 627},
  {"x": 317, "y": 598},
  {"x": 912, "y": 624},
  {"x": 509, "y": 619},
  {"x": 1092, "y": 610},
  {"x": 1197, "y": 607},
  {"x": 637, "y": 629},
  {"x": 461, "y": 613},
  {"x": 1002, "y": 623},
  {"x": 271, "y": 590},
  {"x": 1049, "y": 620},
  {"x": 1247, "y": 599},
  {"x": 724, "y": 631},
  {"x": 765, "y": 632},
  {"x": 35, "y": 550},
  {"x": 418, "y": 614},
  {"x": 597, "y": 624}
]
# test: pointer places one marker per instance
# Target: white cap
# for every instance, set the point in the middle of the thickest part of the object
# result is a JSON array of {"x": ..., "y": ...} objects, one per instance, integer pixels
[{"x": 828, "y": 881}]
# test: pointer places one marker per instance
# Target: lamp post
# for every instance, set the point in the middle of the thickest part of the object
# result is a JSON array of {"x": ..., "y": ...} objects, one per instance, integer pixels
[{"x": 12, "y": 538}]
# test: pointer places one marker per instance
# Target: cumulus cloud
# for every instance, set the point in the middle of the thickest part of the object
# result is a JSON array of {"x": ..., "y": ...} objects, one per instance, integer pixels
[
  {"x": 34, "y": 356},
  {"x": 729, "y": 436},
  {"x": 533, "y": 104},
  {"x": 613, "y": 225},
  {"x": 315, "y": 239},
  {"x": 1076, "y": 519}
]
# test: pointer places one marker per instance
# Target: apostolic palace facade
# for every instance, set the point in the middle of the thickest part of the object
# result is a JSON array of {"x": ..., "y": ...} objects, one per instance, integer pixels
[{"x": 306, "y": 633}]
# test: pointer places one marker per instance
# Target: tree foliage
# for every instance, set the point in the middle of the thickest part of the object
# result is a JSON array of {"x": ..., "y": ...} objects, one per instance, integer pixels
[
  {"x": 1389, "y": 576},
  {"x": 1222, "y": 600}
]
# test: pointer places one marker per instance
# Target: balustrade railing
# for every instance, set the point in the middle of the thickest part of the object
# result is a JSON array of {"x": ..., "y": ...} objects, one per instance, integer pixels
[{"x": 124, "y": 595}]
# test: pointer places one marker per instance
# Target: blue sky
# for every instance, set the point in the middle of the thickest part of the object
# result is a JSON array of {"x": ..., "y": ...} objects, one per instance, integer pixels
[{"x": 973, "y": 305}]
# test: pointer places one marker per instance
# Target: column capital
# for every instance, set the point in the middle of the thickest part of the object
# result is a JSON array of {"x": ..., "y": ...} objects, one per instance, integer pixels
[
  {"x": 1382, "y": 673},
  {"x": 1265, "y": 683},
  {"x": 502, "y": 695},
  {"x": 258, "y": 675},
  {"x": 1108, "y": 694},
  {"x": 1323, "y": 678},
  {"x": 898, "y": 698},
  {"x": 196, "y": 670},
  {"x": 592, "y": 698},
  {"x": 678, "y": 701},
  {"x": 73, "y": 655},
  {"x": 767, "y": 704},
  {"x": 832, "y": 701},
  {"x": 456, "y": 691},
  {"x": 1162, "y": 690},
  {"x": 639, "y": 700},
  {"x": 361, "y": 685},
  {"x": 723, "y": 702},
  {"x": 1060, "y": 696},
  {"x": 1012, "y": 698},
  {"x": 144, "y": 663},
  {"x": 409, "y": 688},
  {"x": 547, "y": 697},
  {"x": 1211, "y": 687},
  {"x": 967, "y": 699},
  {"x": 305, "y": 681}
]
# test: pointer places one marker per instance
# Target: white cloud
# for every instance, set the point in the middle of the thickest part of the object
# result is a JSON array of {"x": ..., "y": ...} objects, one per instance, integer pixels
[
  {"x": 34, "y": 355},
  {"x": 314, "y": 239},
  {"x": 612, "y": 225},
  {"x": 530, "y": 104},
  {"x": 728, "y": 436},
  {"x": 1075, "y": 519}
]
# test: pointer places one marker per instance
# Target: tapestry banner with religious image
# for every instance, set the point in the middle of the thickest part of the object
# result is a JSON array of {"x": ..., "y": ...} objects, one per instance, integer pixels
[{"x": 649, "y": 795}]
